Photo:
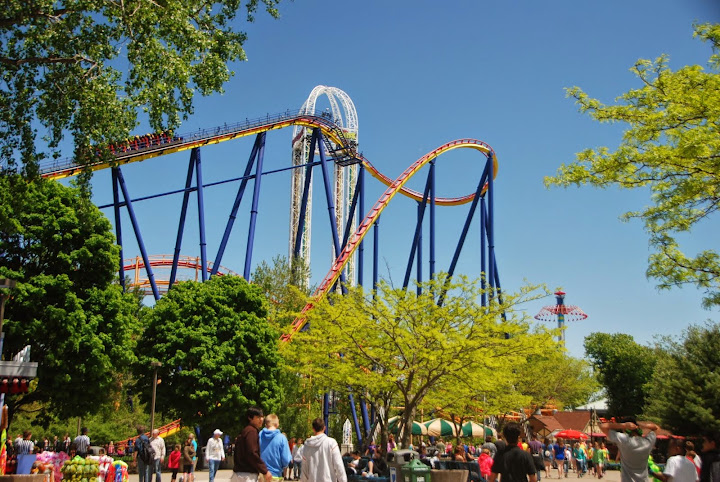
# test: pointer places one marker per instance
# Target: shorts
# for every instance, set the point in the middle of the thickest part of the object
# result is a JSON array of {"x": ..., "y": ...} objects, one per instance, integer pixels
[
  {"x": 188, "y": 468},
  {"x": 244, "y": 477}
]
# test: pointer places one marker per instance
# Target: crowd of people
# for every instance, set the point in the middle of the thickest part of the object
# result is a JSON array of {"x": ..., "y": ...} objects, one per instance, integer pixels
[{"x": 262, "y": 451}]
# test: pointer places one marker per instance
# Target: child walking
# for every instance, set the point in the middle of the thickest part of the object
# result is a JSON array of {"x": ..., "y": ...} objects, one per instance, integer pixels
[{"x": 174, "y": 461}]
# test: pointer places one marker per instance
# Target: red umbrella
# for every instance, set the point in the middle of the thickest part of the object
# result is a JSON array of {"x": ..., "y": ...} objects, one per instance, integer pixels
[{"x": 571, "y": 434}]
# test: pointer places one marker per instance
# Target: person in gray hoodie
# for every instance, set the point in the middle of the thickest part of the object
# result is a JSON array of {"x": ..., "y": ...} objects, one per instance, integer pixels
[
  {"x": 322, "y": 461},
  {"x": 274, "y": 447}
]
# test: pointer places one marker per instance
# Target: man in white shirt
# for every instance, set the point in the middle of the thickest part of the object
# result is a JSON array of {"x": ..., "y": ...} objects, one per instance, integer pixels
[
  {"x": 634, "y": 445},
  {"x": 678, "y": 468},
  {"x": 214, "y": 453},
  {"x": 158, "y": 445}
]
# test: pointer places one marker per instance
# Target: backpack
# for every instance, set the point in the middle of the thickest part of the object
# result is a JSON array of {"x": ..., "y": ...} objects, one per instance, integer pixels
[{"x": 145, "y": 451}]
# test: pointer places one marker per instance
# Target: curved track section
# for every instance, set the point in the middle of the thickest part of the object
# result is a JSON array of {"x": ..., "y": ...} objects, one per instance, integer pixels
[
  {"x": 395, "y": 187},
  {"x": 59, "y": 169},
  {"x": 191, "y": 264}
]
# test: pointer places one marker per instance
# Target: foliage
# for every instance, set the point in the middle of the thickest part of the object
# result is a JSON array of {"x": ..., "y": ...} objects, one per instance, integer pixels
[
  {"x": 671, "y": 147},
  {"x": 397, "y": 347},
  {"x": 624, "y": 367},
  {"x": 683, "y": 394},
  {"x": 283, "y": 284},
  {"x": 218, "y": 353},
  {"x": 555, "y": 378},
  {"x": 79, "y": 324},
  {"x": 88, "y": 67}
]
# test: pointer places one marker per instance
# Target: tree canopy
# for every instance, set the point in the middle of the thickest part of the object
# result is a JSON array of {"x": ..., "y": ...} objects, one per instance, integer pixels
[
  {"x": 78, "y": 322},
  {"x": 88, "y": 67},
  {"x": 396, "y": 348},
  {"x": 671, "y": 147},
  {"x": 624, "y": 368},
  {"x": 219, "y": 354},
  {"x": 683, "y": 393}
]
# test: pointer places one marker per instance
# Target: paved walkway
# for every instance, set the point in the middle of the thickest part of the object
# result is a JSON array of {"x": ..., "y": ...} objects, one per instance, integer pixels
[{"x": 224, "y": 476}]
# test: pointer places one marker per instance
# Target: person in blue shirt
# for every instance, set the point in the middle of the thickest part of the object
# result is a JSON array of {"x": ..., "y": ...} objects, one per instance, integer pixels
[{"x": 274, "y": 447}]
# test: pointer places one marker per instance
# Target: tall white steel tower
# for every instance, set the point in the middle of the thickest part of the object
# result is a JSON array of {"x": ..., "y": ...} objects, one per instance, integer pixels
[{"x": 345, "y": 176}]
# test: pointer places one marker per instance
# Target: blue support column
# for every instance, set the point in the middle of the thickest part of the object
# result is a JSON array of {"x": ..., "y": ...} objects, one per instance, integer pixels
[
  {"x": 417, "y": 237},
  {"x": 361, "y": 248},
  {"x": 181, "y": 224},
  {"x": 356, "y": 423},
  {"x": 201, "y": 212},
  {"x": 236, "y": 206},
  {"x": 254, "y": 209},
  {"x": 376, "y": 251},
  {"x": 118, "y": 227},
  {"x": 366, "y": 419},
  {"x": 326, "y": 412},
  {"x": 303, "y": 206},
  {"x": 432, "y": 220},
  {"x": 330, "y": 202},
  {"x": 138, "y": 236},
  {"x": 483, "y": 249},
  {"x": 466, "y": 226},
  {"x": 421, "y": 211},
  {"x": 491, "y": 224}
]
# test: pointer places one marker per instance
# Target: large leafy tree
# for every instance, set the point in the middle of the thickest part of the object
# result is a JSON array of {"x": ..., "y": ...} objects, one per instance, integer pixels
[
  {"x": 218, "y": 352},
  {"x": 624, "y": 368},
  {"x": 683, "y": 394},
  {"x": 671, "y": 147},
  {"x": 397, "y": 347},
  {"x": 78, "y": 322},
  {"x": 87, "y": 67},
  {"x": 555, "y": 378}
]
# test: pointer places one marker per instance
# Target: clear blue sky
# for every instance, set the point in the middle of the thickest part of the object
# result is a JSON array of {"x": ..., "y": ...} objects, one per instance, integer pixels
[{"x": 423, "y": 73}]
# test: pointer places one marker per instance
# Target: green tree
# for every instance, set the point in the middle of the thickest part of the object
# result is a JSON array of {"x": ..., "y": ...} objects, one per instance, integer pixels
[
  {"x": 219, "y": 354},
  {"x": 284, "y": 286},
  {"x": 683, "y": 393},
  {"x": 79, "y": 324},
  {"x": 671, "y": 147},
  {"x": 397, "y": 348},
  {"x": 554, "y": 378},
  {"x": 87, "y": 67},
  {"x": 624, "y": 367}
]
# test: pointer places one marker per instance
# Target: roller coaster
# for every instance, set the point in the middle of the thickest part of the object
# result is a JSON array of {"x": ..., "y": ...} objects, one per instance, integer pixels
[{"x": 315, "y": 136}]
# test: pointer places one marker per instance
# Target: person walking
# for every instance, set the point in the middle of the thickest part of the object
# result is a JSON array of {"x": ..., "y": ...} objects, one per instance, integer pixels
[
  {"x": 634, "y": 447},
  {"x": 322, "y": 461},
  {"x": 513, "y": 464},
  {"x": 188, "y": 455},
  {"x": 710, "y": 457},
  {"x": 297, "y": 454},
  {"x": 82, "y": 443},
  {"x": 143, "y": 466},
  {"x": 158, "y": 445},
  {"x": 174, "y": 461},
  {"x": 677, "y": 467},
  {"x": 274, "y": 448},
  {"x": 214, "y": 453},
  {"x": 248, "y": 464}
]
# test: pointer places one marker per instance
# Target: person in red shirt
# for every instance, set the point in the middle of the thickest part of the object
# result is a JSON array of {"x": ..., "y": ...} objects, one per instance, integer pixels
[{"x": 174, "y": 461}]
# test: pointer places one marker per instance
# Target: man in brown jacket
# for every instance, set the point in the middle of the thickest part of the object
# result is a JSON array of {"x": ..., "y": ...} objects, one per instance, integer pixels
[{"x": 247, "y": 461}]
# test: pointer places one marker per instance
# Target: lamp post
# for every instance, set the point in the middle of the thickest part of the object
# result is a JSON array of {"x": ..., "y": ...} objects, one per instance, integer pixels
[{"x": 155, "y": 365}]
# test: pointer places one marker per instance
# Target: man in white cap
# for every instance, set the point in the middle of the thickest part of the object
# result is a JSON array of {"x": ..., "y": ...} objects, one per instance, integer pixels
[{"x": 214, "y": 453}]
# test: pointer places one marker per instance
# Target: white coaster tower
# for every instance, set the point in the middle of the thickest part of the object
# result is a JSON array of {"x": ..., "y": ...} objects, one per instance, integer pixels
[{"x": 342, "y": 112}]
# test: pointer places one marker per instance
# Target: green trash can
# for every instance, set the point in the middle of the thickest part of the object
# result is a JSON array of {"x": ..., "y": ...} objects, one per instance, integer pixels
[{"x": 415, "y": 471}]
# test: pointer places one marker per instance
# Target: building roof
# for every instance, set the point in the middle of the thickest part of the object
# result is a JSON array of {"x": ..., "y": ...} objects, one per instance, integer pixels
[{"x": 546, "y": 424}]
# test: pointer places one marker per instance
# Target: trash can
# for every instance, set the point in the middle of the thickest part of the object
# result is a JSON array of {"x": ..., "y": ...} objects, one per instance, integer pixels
[
  {"x": 415, "y": 471},
  {"x": 396, "y": 459}
]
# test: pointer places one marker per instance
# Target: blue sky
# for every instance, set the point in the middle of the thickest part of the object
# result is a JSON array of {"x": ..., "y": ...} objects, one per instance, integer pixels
[{"x": 424, "y": 73}]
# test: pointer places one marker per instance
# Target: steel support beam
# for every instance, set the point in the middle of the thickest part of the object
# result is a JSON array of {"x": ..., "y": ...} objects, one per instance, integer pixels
[
  {"x": 181, "y": 224},
  {"x": 254, "y": 208}
]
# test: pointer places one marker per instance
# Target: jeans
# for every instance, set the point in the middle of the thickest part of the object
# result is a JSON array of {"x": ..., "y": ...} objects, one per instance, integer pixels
[
  {"x": 143, "y": 471},
  {"x": 297, "y": 466},
  {"x": 213, "y": 466},
  {"x": 158, "y": 470},
  {"x": 581, "y": 467}
]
